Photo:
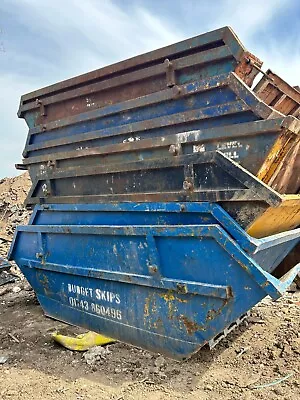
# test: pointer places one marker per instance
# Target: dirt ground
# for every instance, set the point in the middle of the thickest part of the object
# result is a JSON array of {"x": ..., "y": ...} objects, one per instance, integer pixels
[{"x": 263, "y": 351}]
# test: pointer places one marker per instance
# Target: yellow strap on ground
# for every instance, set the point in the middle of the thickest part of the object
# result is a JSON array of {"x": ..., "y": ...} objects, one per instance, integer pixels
[{"x": 82, "y": 342}]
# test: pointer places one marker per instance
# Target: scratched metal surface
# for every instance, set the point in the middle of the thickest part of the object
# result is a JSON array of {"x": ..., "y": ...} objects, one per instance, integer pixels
[
  {"x": 209, "y": 176},
  {"x": 287, "y": 178},
  {"x": 128, "y": 214},
  {"x": 178, "y": 94},
  {"x": 249, "y": 144},
  {"x": 219, "y": 96},
  {"x": 198, "y": 58},
  {"x": 221, "y": 113},
  {"x": 168, "y": 289}
]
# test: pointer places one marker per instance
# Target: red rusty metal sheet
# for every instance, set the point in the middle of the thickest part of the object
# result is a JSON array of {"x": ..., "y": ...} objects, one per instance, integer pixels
[
  {"x": 197, "y": 58},
  {"x": 277, "y": 93}
]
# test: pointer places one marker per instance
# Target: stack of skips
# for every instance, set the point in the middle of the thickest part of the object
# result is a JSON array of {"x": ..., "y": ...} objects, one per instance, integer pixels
[{"x": 165, "y": 193}]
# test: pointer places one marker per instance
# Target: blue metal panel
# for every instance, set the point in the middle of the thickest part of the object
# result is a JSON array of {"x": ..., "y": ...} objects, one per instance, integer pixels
[
  {"x": 268, "y": 252},
  {"x": 220, "y": 100},
  {"x": 167, "y": 288}
]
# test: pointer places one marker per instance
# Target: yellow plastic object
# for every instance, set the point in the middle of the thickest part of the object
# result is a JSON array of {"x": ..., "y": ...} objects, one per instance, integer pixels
[
  {"x": 277, "y": 219},
  {"x": 82, "y": 342}
]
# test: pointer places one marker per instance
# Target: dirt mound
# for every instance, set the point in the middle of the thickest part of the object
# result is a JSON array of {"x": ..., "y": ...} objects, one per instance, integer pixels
[
  {"x": 13, "y": 192},
  {"x": 15, "y": 189}
]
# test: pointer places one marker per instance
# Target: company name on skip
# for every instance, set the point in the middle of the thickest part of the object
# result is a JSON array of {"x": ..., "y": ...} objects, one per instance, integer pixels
[{"x": 97, "y": 294}]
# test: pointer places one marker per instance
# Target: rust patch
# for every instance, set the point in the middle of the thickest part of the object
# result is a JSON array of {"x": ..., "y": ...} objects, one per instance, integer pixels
[
  {"x": 168, "y": 296},
  {"x": 212, "y": 314},
  {"x": 246, "y": 70},
  {"x": 286, "y": 141},
  {"x": 146, "y": 307},
  {"x": 277, "y": 93},
  {"x": 191, "y": 326},
  {"x": 44, "y": 281},
  {"x": 159, "y": 325}
]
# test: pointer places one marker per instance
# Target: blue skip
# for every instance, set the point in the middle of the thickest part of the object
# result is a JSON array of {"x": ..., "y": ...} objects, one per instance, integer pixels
[{"x": 167, "y": 277}]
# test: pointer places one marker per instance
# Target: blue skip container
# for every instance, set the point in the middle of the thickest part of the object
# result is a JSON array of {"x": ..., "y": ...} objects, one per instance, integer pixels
[{"x": 167, "y": 277}]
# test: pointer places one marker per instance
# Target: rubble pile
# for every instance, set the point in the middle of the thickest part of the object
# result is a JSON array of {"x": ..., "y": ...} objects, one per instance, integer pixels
[{"x": 13, "y": 192}]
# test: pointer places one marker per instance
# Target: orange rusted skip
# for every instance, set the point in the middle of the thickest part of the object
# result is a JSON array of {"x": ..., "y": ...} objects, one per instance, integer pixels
[
  {"x": 277, "y": 93},
  {"x": 246, "y": 67}
]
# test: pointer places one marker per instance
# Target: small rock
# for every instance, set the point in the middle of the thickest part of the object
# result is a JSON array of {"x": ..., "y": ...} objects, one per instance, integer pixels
[
  {"x": 26, "y": 286},
  {"x": 95, "y": 354},
  {"x": 16, "y": 289},
  {"x": 154, "y": 370},
  {"x": 3, "y": 359},
  {"x": 278, "y": 391},
  {"x": 14, "y": 208},
  {"x": 4, "y": 291},
  {"x": 162, "y": 375},
  {"x": 160, "y": 362}
]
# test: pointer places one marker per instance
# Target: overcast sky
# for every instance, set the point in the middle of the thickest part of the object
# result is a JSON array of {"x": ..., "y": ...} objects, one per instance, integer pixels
[{"x": 44, "y": 41}]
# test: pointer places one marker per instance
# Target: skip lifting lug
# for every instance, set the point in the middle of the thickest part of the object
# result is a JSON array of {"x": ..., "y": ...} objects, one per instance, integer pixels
[
  {"x": 42, "y": 107},
  {"x": 170, "y": 73},
  {"x": 51, "y": 164},
  {"x": 175, "y": 149},
  {"x": 47, "y": 188},
  {"x": 187, "y": 185}
]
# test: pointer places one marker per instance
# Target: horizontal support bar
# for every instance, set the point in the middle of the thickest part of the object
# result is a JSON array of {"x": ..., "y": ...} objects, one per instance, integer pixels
[
  {"x": 262, "y": 278},
  {"x": 143, "y": 230},
  {"x": 169, "y": 51},
  {"x": 202, "y": 58},
  {"x": 155, "y": 123},
  {"x": 247, "y": 129},
  {"x": 178, "y": 286},
  {"x": 147, "y": 100},
  {"x": 197, "y": 195}
]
